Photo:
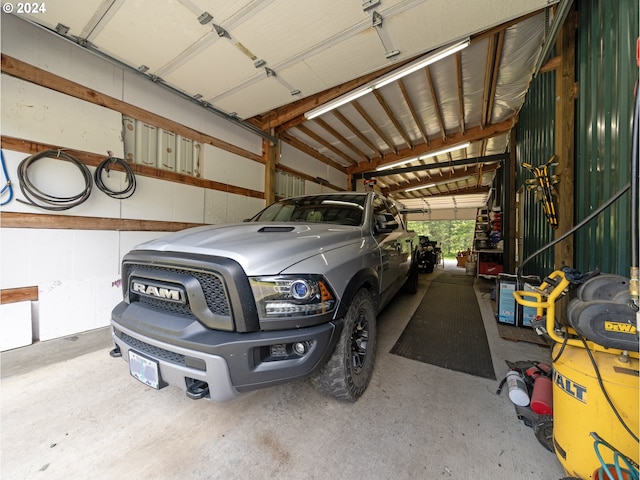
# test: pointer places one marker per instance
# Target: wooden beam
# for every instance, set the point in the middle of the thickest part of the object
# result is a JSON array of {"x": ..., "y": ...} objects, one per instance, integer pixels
[
  {"x": 357, "y": 132},
  {"x": 461, "y": 119},
  {"x": 93, "y": 160},
  {"x": 436, "y": 103},
  {"x": 29, "y": 73},
  {"x": 449, "y": 177},
  {"x": 341, "y": 137},
  {"x": 552, "y": 64},
  {"x": 414, "y": 114},
  {"x": 565, "y": 135},
  {"x": 14, "y": 295},
  {"x": 270, "y": 153},
  {"x": 387, "y": 109},
  {"x": 458, "y": 191},
  {"x": 494, "y": 58},
  {"x": 303, "y": 147},
  {"x": 471, "y": 135},
  {"x": 308, "y": 178},
  {"x": 71, "y": 222},
  {"x": 373, "y": 125},
  {"x": 310, "y": 133}
]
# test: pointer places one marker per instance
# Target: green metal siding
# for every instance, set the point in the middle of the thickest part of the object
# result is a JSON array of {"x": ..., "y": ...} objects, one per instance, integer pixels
[
  {"x": 606, "y": 73},
  {"x": 535, "y": 144}
]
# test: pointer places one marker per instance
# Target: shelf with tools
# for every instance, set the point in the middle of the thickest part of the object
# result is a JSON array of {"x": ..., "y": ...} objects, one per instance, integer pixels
[{"x": 487, "y": 243}]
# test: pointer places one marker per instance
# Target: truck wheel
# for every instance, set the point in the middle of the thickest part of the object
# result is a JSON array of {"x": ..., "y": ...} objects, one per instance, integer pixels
[
  {"x": 411, "y": 283},
  {"x": 346, "y": 374}
]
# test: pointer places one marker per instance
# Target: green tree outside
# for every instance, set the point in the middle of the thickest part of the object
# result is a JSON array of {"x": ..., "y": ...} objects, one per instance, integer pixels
[{"x": 452, "y": 235}]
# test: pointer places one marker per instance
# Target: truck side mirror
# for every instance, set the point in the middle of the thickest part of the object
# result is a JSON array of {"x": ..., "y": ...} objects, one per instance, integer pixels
[{"x": 385, "y": 226}]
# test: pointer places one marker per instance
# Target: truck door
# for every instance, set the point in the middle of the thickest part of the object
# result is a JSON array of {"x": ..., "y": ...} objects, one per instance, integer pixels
[{"x": 394, "y": 243}]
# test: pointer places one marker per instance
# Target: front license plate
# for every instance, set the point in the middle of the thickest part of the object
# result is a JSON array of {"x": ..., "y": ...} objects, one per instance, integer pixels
[{"x": 144, "y": 369}]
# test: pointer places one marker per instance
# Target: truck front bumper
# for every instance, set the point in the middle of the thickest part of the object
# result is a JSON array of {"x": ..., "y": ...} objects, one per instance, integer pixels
[{"x": 231, "y": 363}]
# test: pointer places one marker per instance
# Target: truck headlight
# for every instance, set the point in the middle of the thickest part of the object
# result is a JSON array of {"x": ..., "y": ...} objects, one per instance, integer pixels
[{"x": 292, "y": 295}]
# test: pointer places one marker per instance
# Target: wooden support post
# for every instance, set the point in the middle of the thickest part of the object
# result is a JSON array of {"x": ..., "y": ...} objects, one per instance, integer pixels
[
  {"x": 565, "y": 131},
  {"x": 566, "y": 92},
  {"x": 270, "y": 152},
  {"x": 509, "y": 214}
]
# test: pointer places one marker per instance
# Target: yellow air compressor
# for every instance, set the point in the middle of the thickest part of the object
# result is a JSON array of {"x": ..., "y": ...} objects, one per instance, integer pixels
[{"x": 595, "y": 373}]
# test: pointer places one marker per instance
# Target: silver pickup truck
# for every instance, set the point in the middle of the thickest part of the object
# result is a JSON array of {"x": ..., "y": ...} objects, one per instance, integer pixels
[{"x": 291, "y": 293}]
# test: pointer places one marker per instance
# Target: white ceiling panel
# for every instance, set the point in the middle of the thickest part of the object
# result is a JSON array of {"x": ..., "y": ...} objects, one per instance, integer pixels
[
  {"x": 255, "y": 97},
  {"x": 304, "y": 78},
  {"x": 144, "y": 34},
  {"x": 350, "y": 59},
  {"x": 70, "y": 13},
  {"x": 227, "y": 11},
  {"x": 216, "y": 69},
  {"x": 308, "y": 28}
]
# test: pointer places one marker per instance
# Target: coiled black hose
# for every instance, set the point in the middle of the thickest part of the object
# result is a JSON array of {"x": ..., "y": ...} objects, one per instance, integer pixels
[
  {"x": 37, "y": 197},
  {"x": 105, "y": 165}
]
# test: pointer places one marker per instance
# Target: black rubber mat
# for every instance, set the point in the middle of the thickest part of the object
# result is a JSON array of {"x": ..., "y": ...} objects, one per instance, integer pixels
[
  {"x": 458, "y": 279},
  {"x": 447, "y": 329}
]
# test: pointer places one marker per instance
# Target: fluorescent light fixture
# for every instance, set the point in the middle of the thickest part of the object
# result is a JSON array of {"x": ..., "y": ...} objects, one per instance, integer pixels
[
  {"x": 338, "y": 102},
  {"x": 420, "y": 63},
  {"x": 423, "y": 157},
  {"x": 397, "y": 164},
  {"x": 393, "y": 76},
  {"x": 420, "y": 187}
]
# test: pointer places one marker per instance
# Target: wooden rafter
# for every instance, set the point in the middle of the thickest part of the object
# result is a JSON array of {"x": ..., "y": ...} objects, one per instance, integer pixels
[
  {"x": 436, "y": 103},
  {"x": 494, "y": 55},
  {"x": 427, "y": 195},
  {"x": 387, "y": 109},
  {"x": 461, "y": 120},
  {"x": 340, "y": 137},
  {"x": 373, "y": 125},
  {"x": 345, "y": 121},
  {"x": 471, "y": 135},
  {"x": 414, "y": 114},
  {"x": 303, "y": 147},
  {"x": 449, "y": 177},
  {"x": 310, "y": 133}
]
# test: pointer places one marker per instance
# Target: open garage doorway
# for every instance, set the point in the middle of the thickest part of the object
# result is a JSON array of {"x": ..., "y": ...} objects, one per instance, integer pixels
[{"x": 452, "y": 236}]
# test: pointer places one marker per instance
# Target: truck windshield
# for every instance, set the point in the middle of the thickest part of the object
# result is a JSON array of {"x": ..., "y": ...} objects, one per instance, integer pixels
[{"x": 345, "y": 209}]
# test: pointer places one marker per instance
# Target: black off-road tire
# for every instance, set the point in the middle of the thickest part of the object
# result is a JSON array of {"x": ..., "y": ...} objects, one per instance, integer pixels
[
  {"x": 411, "y": 284},
  {"x": 348, "y": 371}
]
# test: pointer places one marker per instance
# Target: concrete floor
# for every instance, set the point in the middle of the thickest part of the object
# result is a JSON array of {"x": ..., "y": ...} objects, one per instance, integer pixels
[{"x": 69, "y": 411}]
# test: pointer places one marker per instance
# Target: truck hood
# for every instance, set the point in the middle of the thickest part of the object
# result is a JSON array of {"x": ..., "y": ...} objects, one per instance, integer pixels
[{"x": 260, "y": 248}]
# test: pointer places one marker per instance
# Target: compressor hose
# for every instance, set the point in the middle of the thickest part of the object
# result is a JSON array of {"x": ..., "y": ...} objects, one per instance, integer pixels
[
  {"x": 36, "y": 197},
  {"x": 635, "y": 198},
  {"x": 130, "y": 178},
  {"x": 577, "y": 227}
]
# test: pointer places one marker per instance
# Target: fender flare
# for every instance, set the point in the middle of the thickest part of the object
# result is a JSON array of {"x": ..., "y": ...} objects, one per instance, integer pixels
[{"x": 367, "y": 278}]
